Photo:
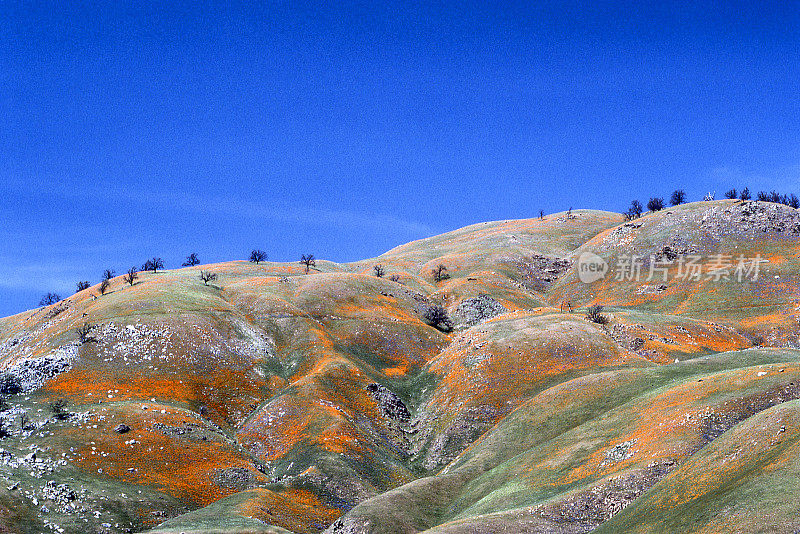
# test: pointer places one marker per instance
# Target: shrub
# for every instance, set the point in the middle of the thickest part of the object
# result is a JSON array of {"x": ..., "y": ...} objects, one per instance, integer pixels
[
  {"x": 257, "y": 256},
  {"x": 83, "y": 333},
  {"x": 49, "y": 299},
  {"x": 191, "y": 260},
  {"x": 309, "y": 261},
  {"x": 794, "y": 202},
  {"x": 380, "y": 270},
  {"x": 439, "y": 273},
  {"x": 594, "y": 314},
  {"x": 763, "y": 196},
  {"x": 207, "y": 277},
  {"x": 10, "y": 384},
  {"x": 59, "y": 409},
  {"x": 678, "y": 197},
  {"x": 437, "y": 317},
  {"x": 655, "y": 204},
  {"x": 731, "y": 194},
  {"x": 80, "y": 286},
  {"x": 395, "y": 278},
  {"x": 131, "y": 276},
  {"x": 745, "y": 194}
]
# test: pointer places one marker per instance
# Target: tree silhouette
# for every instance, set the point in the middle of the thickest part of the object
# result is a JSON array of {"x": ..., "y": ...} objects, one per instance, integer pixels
[
  {"x": 257, "y": 256},
  {"x": 191, "y": 260},
  {"x": 80, "y": 286},
  {"x": 153, "y": 264},
  {"x": 732, "y": 194},
  {"x": 635, "y": 210},
  {"x": 131, "y": 276},
  {"x": 108, "y": 274},
  {"x": 678, "y": 197},
  {"x": 655, "y": 204},
  {"x": 380, "y": 270},
  {"x": 207, "y": 277},
  {"x": 745, "y": 194},
  {"x": 49, "y": 299},
  {"x": 309, "y": 261},
  {"x": 104, "y": 286}
]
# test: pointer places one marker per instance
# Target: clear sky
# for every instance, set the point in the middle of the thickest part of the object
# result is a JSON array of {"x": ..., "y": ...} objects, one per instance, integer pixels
[{"x": 132, "y": 129}]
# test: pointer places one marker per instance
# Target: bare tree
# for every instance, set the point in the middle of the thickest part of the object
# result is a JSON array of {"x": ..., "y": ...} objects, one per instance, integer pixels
[
  {"x": 257, "y": 256},
  {"x": 153, "y": 264},
  {"x": 131, "y": 276},
  {"x": 732, "y": 194},
  {"x": 108, "y": 274},
  {"x": 541, "y": 215},
  {"x": 207, "y": 277},
  {"x": 104, "y": 286},
  {"x": 309, "y": 261},
  {"x": 655, "y": 204},
  {"x": 745, "y": 194},
  {"x": 794, "y": 202},
  {"x": 81, "y": 285},
  {"x": 439, "y": 273},
  {"x": 678, "y": 197},
  {"x": 83, "y": 333},
  {"x": 49, "y": 298},
  {"x": 635, "y": 211},
  {"x": 380, "y": 270},
  {"x": 191, "y": 260}
]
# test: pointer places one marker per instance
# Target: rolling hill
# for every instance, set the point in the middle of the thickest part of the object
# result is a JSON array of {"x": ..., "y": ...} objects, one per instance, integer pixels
[{"x": 273, "y": 400}]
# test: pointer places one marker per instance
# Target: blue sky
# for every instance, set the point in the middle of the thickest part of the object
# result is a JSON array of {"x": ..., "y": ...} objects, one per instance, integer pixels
[{"x": 345, "y": 129}]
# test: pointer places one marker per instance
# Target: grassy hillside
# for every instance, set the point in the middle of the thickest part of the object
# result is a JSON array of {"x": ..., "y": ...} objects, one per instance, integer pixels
[{"x": 272, "y": 400}]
